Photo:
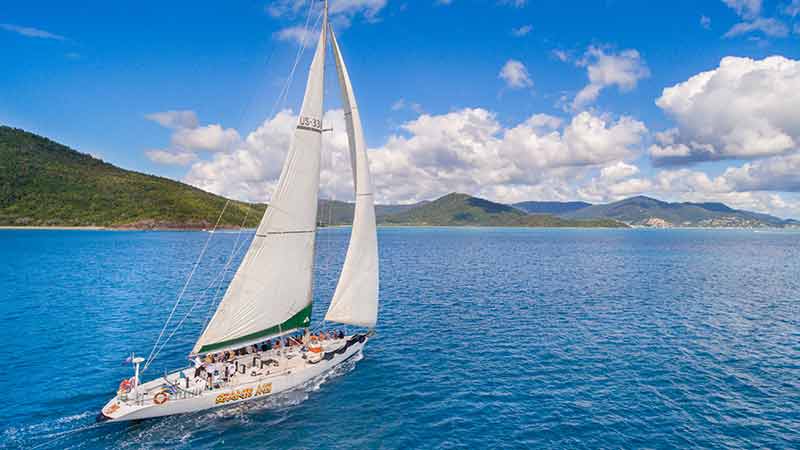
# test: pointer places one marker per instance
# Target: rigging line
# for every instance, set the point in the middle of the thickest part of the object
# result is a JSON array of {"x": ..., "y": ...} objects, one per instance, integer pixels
[
  {"x": 186, "y": 284},
  {"x": 219, "y": 277},
  {"x": 285, "y": 90},
  {"x": 199, "y": 300},
  {"x": 235, "y": 250},
  {"x": 285, "y": 94}
]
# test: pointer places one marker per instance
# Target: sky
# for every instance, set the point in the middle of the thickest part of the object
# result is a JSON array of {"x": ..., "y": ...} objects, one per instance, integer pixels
[{"x": 510, "y": 100}]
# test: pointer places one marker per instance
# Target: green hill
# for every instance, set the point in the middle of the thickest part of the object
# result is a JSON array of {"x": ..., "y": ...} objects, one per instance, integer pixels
[
  {"x": 555, "y": 208},
  {"x": 646, "y": 211},
  {"x": 464, "y": 210},
  {"x": 43, "y": 183},
  {"x": 335, "y": 212}
]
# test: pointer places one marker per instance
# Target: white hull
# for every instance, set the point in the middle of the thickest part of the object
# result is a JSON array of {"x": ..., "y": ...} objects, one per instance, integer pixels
[{"x": 292, "y": 371}]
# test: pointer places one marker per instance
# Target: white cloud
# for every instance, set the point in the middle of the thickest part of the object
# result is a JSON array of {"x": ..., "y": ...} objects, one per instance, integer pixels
[
  {"x": 369, "y": 8},
  {"x": 342, "y": 10},
  {"x": 618, "y": 171},
  {"x": 747, "y": 9},
  {"x": 297, "y": 34},
  {"x": 188, "y": 138},
  {"x": 743, "y": 109},
  {"x": 402, "y": 104},
  {"x": 176, "y": 158},
  {"x": 778, "y": 173},
  {"x": 251, "y": 170},
  {"x": 465, "y": 150},
  {"x": 587, "y": 157},
  {"x": 522, "y": 31},
  {"x": 705, "y": 22},
  {"x": 515, "y": 74},
  {"x": 623, "y": 69},
  {"x": 174, "y": 118},
  {"x": 209, "y": 137},
  {"x": 31, "y": 32},
  {"x": 514, "y": 3},
  {"x": 770, "y": 27},
  {"x": 561, "y": 55}
]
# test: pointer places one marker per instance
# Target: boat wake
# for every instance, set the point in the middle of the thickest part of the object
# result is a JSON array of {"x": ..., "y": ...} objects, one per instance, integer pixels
[
  {"x": 48, "y": 434},
  {"x": 171, "y": 431}
]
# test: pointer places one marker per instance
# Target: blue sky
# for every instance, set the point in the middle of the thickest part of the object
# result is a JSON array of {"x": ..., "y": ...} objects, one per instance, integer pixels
[{"x": 92, "y": 76}]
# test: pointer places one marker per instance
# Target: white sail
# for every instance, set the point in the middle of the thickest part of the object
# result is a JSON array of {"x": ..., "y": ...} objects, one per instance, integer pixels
[
  {"x": 355, "y": 300},
  {"x": 271, "y": 292}
]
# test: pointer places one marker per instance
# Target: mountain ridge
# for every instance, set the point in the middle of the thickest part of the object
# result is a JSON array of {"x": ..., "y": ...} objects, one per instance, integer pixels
[{"x": 46, "y": 184}]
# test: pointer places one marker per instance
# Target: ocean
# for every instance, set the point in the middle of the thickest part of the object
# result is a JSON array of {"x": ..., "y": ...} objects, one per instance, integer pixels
[{"x": 487, "y": 338}]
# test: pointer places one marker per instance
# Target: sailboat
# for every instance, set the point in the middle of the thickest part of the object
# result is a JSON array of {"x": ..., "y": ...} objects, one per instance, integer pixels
[{"x": 270, "y": 295}]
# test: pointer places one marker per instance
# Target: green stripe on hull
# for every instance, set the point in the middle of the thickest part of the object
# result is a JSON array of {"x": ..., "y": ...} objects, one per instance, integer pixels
[{"x": 301, "y": 319}]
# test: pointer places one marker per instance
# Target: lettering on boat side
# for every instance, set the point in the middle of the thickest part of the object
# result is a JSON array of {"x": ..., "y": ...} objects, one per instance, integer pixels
[{"x": 242, "y": 394}]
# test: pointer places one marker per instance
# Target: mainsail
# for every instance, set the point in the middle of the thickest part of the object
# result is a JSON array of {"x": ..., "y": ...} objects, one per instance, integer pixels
[
  {"x": 355, "y": 300},
  {"x": 271, "y": 292}
]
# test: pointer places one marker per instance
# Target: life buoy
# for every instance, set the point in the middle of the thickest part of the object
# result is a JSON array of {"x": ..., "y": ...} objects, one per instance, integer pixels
[
  {"x": 160, "y": 398},
  {"x": 125, "y": 386},
  {"x": 314, "y": 346}
]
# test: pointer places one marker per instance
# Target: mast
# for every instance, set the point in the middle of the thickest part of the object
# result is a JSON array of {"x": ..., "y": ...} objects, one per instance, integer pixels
[
  {"x": 355, "y": 301},
  {"x": 271, "y": 292}
]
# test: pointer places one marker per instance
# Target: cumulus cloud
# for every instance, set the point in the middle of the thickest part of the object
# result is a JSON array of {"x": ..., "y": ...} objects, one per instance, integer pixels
[
  {"x": 251, "y": 170},
  {"x": 515, "y": 74},
  {"x": 31, "y": 32},
  {"x": 778, "y": 173},
  {"x": 618, "y": 171},
  {"x": 189, "y": 137},
  {"x": 623, "y": 69},
  {"x": 705, "y": 22},
  {"x": 171, "y": 157},
  {"x": 466, "y": 150},
  {"x": 743, "y": 109},
  {"x": 522, "y": 31},
  {"x": 209, "y": 137},
  {"x": 174, "y": 118},
  {"x": 586, "y": 156}
]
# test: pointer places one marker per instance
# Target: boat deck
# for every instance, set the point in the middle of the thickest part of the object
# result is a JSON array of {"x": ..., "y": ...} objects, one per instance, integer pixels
[{"x": 243, "y": 370}]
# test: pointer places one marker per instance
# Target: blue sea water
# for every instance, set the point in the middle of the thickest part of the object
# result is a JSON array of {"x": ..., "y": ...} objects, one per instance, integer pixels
[{"x": 487, "y": 338}]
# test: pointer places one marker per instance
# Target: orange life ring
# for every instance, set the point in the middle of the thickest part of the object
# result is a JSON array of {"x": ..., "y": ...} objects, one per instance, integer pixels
[
  {"x": 315, "y": 349},
  {"x": 160, "y": 398},
  {"x": 125, "y": 385}
]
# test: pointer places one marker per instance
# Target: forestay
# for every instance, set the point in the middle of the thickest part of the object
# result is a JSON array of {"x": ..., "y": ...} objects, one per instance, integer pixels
[
  {"x": 355, "y": 300},
  {"x": 271, "y": 292}
]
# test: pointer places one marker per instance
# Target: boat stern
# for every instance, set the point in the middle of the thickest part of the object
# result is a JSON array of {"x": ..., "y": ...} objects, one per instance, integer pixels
[{"x": 116, "y": 410}]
